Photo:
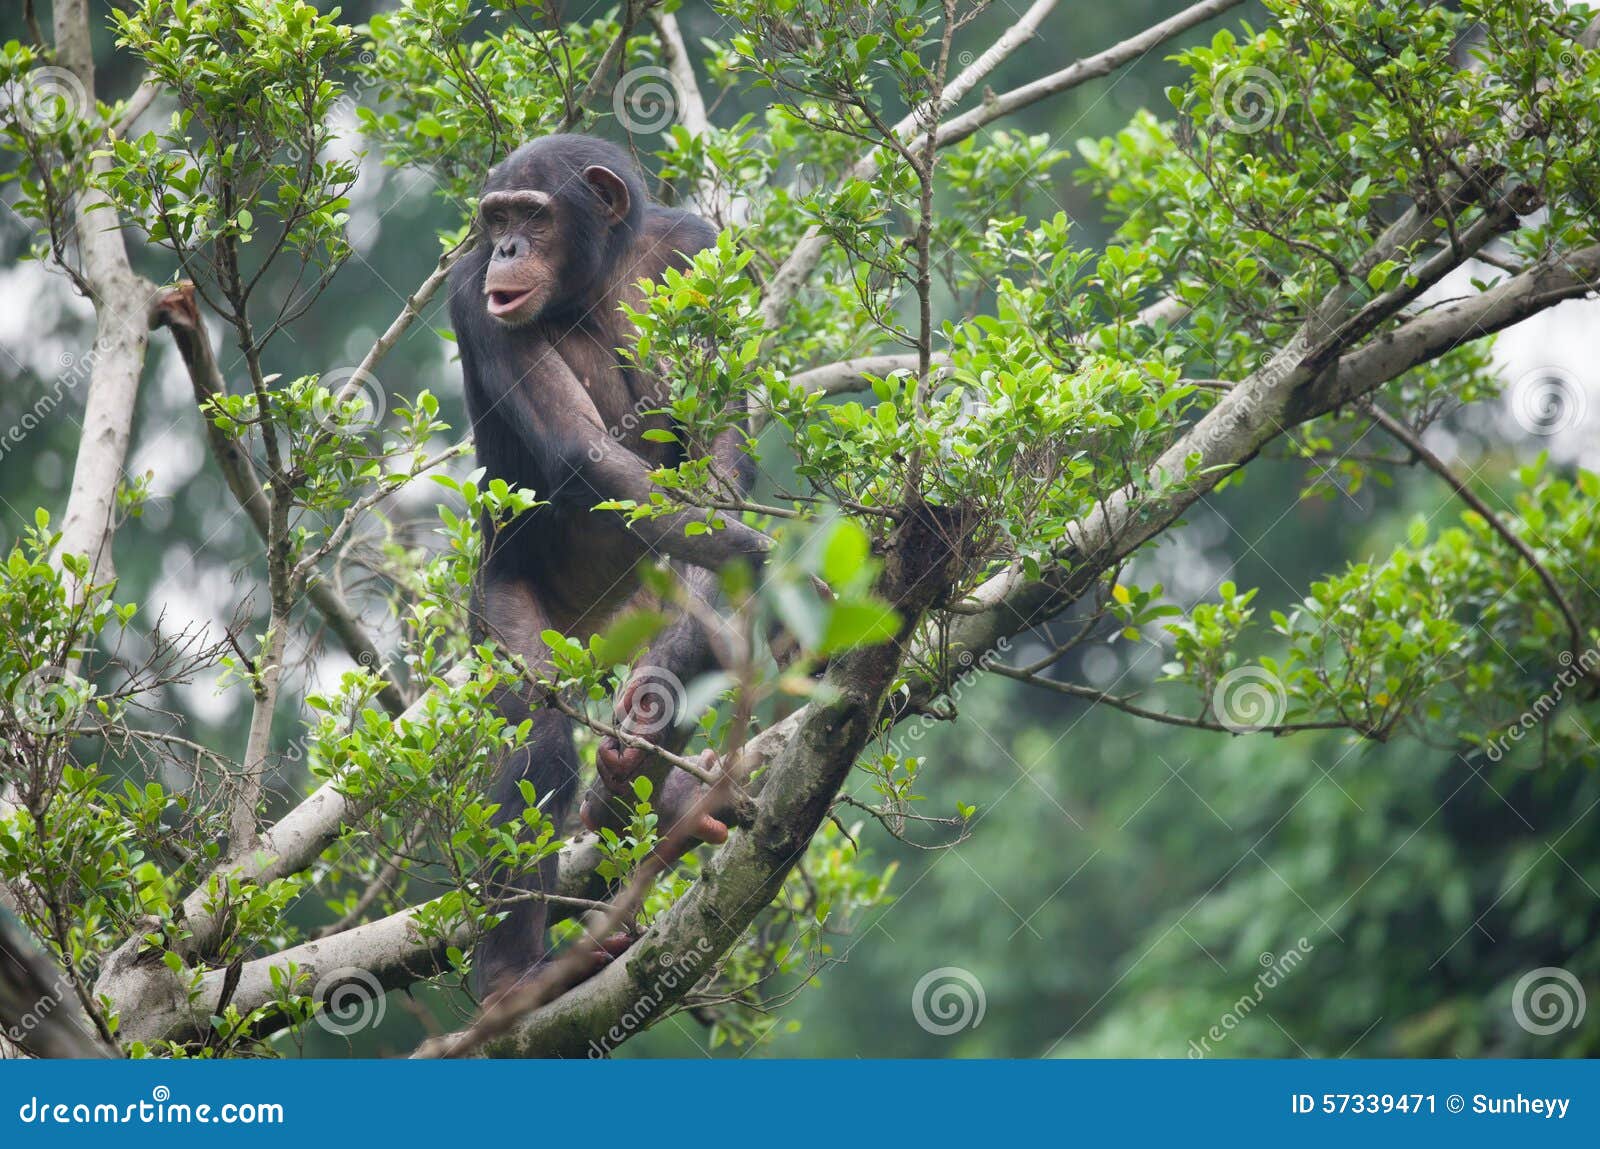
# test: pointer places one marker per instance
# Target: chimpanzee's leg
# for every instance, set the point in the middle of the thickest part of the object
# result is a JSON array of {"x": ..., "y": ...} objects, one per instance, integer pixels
[
  {"x": 511, "y": 616},
  {"x": 649, "y": 707}
]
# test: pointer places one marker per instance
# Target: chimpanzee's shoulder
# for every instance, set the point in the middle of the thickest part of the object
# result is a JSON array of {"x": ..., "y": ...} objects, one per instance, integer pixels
[{"x": 681, "y": 231}]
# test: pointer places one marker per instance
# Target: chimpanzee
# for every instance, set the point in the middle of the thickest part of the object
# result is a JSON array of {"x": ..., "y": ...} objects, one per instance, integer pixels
[{"x": 567, "y": 230}]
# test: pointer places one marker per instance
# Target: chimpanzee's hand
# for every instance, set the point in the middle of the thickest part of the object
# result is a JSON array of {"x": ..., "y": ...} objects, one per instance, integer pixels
[{"x": 646, "y": 708}]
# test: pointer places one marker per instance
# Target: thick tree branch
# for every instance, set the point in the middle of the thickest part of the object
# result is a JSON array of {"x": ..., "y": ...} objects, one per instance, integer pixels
[
  {"x": 742, "y": 878},
  {"x": 117, "y": 358},
  {"x": 691, "y": 104},
  {"x": 39, "y": 1012}
]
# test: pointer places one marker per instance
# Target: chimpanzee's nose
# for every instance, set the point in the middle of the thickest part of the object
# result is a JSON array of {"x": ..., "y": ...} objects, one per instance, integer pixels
[{"x": 511, "y": 247}]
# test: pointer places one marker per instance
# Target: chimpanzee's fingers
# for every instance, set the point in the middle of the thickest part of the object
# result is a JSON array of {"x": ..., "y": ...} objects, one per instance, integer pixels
[{"x": 617, "y": 764}]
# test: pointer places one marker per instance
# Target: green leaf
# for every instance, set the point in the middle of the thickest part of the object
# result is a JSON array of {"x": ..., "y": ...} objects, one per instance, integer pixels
[
  {"x": 844, "y": 553},
  {"x": 856, "y": 623}
]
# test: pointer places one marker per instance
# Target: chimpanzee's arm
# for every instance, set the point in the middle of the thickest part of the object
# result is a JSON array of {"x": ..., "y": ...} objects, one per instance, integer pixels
[
  {"x": 547, "y": 407},
  {"x": 678, "y": 654}
]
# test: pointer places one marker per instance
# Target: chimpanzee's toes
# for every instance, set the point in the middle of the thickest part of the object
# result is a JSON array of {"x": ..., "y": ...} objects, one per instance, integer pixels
[
  {"x": 711, "y": 830},
  {"x": 679, "y": 796},
  {"x": 613, "y": 947}
]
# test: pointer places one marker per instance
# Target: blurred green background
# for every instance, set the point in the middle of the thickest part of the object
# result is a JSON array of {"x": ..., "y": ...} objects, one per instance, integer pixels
[{"x": 1126, "y": 886}]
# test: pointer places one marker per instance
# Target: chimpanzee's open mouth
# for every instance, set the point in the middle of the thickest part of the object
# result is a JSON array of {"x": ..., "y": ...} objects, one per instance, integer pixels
[{"x": 505, "y": 302}]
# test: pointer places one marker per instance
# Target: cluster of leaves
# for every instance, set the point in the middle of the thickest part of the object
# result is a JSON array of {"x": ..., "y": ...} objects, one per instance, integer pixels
[
  {"x": 441, "y": 97},
  {"x": 49, "y": 128},
  {"x": 257, "y": 84},
  {"x": 1452, "y": 630},
  {"x": 1294, "y": 143}
]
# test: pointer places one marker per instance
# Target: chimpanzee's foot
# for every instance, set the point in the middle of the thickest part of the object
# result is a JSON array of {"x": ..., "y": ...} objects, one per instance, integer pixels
[
  {"x": 494, "y": 984},
  {"x": 681, "y": 795},
  {"x": 676, "y": 800},
  {"x": 609, "y": 949}
]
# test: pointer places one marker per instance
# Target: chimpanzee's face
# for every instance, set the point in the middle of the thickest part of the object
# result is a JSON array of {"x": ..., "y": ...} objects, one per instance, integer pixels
[
  {"x": 525, "y": 257},
  {"x": 547, "y": 243}
]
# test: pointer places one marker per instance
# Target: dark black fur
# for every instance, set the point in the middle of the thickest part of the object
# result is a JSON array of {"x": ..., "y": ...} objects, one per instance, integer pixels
[{"x": 549, "y": 402}]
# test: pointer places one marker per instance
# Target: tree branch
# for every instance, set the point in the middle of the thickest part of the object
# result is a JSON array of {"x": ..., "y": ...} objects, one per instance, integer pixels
[
  {"x": 117, "y": 358},
  {"x": 178, "y": 310},
  {"x": 39, "y": 1013},
  {"x": 1080, "y": 72},
  {"x": 786, "y": 282}
]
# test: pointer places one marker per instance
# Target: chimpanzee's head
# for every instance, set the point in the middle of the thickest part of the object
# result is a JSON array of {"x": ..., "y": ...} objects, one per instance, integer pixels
[{"x": 558, "y": 216}]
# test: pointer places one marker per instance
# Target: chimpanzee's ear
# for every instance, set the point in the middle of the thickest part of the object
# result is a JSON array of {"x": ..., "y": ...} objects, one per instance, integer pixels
[{"x": 608, "y": 185}]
